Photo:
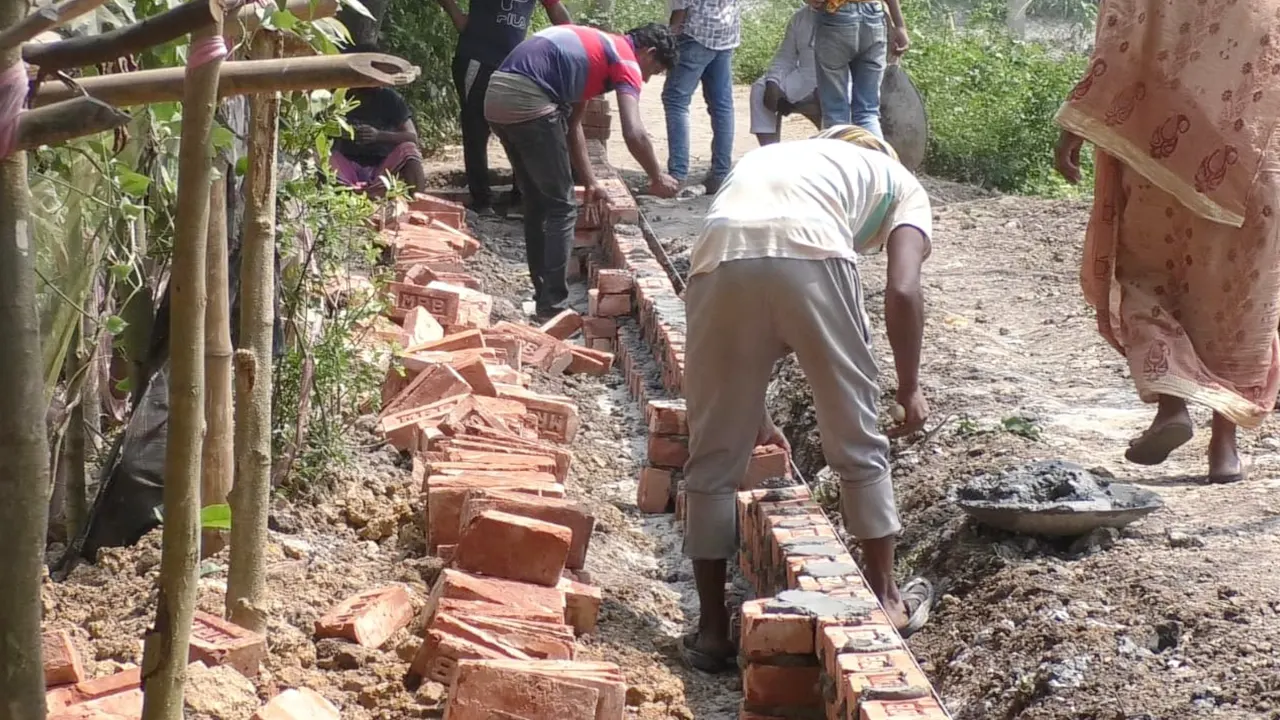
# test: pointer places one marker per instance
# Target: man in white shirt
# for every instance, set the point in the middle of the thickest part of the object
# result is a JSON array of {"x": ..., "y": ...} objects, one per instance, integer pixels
[
  {"x": 774, "y": 270},
  {"x": 791, "y": 82}
]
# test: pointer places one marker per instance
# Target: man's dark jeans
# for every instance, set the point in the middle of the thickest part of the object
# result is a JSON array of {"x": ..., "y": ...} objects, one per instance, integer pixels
[
  {"x": 471, "y": 80},
  {"x": 539, "y": 152}
]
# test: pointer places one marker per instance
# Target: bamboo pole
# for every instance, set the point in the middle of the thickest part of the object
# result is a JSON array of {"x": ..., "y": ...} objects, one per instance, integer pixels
[
  {"x": 167, "y": 643},
  {"x": 24, "y": 451},
  {"x": 243, "y": 77},
  {"x": 62, "y": 121},
  {"x": 251, "y": 496},
  {"x": 190, "y": 17},
  {"x": 217, "y": 461}
]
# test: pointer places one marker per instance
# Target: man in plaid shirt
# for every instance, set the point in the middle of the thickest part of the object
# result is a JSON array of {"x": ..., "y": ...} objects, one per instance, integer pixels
[{"x": 708, "y": 32}]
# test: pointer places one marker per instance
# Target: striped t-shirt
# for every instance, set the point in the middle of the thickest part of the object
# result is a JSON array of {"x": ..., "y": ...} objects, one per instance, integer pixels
[
  {"x": 573, "y": 64},
  {"x": 809, "y": 200}
]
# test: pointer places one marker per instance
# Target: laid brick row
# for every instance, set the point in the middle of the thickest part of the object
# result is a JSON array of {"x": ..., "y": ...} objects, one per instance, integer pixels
[{"x": 815, "y": 643}]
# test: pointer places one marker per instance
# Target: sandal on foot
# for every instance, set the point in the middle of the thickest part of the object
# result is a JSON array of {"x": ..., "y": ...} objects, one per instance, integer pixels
[
  {"x": 1153, "y": 447},
  {"x": 917, "y": 597},
  {"x": 698, "y": 659}
]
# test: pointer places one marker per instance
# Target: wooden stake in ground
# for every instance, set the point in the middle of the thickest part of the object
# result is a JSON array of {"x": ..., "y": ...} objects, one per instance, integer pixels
[
  {"x": 217, "y": 458},
  {"x": 164, "y": 661},
  {"x": 251, "y": 496},
  {"x": 24, "y": 451}
]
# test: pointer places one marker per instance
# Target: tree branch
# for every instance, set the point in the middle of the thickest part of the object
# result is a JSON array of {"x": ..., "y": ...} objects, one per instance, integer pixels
[
  {"x": 44, "y": 19},
  {"x": 63, "y": 121}
]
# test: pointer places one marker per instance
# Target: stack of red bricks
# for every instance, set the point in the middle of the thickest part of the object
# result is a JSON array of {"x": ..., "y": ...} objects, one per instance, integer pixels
[
  {"x": 490, "y": 457},
  {"x": 660, "y": 488},
  {"x": 214, "y": 642},
  {"x": 597, "y": 121}
]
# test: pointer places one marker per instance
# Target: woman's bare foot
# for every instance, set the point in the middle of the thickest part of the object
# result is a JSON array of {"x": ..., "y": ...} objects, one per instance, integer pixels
[
  {"x": 1170, "y": 429},
  {"x": 1225, "y": 465}
]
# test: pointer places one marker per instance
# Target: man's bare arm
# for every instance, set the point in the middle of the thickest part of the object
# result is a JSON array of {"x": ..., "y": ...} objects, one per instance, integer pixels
[
  {"x": 458, "y": 17},
  {"x": 676, "y": 22},
  {"x": 904, "y": 303},
  {"x": 559, "y": 14},
  {"x": 636, "y": 137},
  {"x": 578, "y": 147}
]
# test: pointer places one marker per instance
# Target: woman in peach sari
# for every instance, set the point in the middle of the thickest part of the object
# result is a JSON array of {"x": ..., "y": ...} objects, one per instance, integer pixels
[{"x": 1182, "y": 255}]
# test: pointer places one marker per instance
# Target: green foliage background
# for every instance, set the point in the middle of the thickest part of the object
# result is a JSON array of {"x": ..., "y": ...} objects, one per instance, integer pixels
[{"x": 990, "y": 98}]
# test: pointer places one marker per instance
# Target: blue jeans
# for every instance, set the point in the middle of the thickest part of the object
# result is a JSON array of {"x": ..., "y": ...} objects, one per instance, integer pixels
[
  {"x": 851, "y": 44},
  {"x": 714, "y": 68}
]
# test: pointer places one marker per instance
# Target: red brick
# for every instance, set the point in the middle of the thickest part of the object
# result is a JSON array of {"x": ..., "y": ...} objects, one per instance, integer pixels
[
  {"x": 555, "y": 357},
  {"x": 557, "y": 416},
  {"x": 769, "y": 634},
  {"x": 586, "y": 238},
  {"x": 667, "y": 417},
  {"x": 478, "y": 691},
  {"x": 598, "y": 327},
  {"x": 456, "y": 585},
  {"x": 589, "y": 362},
  {"x": 401, "y": 428},
  {"x": 603, "y": 344},
  {"x": 513, "y": 547},
  {"x": 869, "y": 639},
  {"x": 450, "y": 639},
  {"x": 614, "y": 282},
  {"x": 782, "y": 686},
  {"x": 613, "y": 305},
  {"x": 604, "y": 679},
  {"x": 542, "y": 641},
  {"x": 668, "y": 451},
  {"x": 454, "y": 306},
  {"x": 62, "y": 665},
  {"x": 925, "y": 709},
  {"x": 745, "y": 714},
  {"x": 474, "y": 608},
  {"x": 436, "y": 383},
  {"x": 476, "y": 374},
  {"x": 421, "y": 326},
  {"x": 126, "y": 705},
  {"x": 369, "y": 618},
  {"x": 494, "y": 441},
  {"x": 766, "y": 462},
  {"x": 298, "y": 704},
  {"x": 653, "y": 491},
  {"x": 215, "y": 641},
  {"x": 447, "y": 494},
  {"x": 463, "y": 340},
  {"x": 566, "y": 513},
  {"x": 562, "y": 326},
  {"x": 108, "y": 685},
  {"x": 905, "y": 684},
  {"x": 582, "y": 605}
]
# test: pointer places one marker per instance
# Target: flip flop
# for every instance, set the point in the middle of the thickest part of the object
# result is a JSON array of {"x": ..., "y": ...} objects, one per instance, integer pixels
[
  {"x": 707, "y": 662},
  {"x": 1153, "y": 447},
  {"x": 917, "y": 597}
]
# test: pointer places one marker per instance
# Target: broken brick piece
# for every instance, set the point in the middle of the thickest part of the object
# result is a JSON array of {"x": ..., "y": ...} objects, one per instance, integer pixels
[
  {"x": 582, "y": 605},
  {"x": 557, "y": 416},
  {"x": 432, "y": 385},
  {"x": 215, "y": 641},
  {"x": 562, "y": 326},
  {"x": 563, "y": 512},
  {"x": 420, "y": 326},
  {"x": 298, "y": 704},
  {"x": 586, "y": 361},
  {"x": 368, "y": 618},
  {"x": 62, "y": 665},
  {"x": 514, "y": 547},
  {"x": 476, "y": 374},
  {"x": 653, "y": 492}
]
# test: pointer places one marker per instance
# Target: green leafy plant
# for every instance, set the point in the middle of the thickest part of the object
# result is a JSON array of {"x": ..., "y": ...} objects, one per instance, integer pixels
[
  {"x": 1022, "y": 426},
  {"x": 215, "y": 517}
]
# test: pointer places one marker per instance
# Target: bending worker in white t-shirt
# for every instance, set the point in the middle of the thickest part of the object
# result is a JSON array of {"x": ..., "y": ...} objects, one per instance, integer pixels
[{"x": 774, "y": 270}]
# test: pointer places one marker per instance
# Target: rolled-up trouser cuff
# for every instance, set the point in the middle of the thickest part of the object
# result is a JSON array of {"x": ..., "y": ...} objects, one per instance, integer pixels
[
  {"x": 711, "y": 526},
  {"x": 868, "y": 508}
]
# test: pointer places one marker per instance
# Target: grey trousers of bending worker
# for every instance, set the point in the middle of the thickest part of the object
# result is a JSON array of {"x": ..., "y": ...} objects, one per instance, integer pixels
[{"x": 742, "y": 318}]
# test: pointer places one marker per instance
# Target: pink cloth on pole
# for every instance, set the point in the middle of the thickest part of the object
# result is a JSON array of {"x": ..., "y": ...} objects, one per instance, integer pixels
[{"x": 206, "y": 50}]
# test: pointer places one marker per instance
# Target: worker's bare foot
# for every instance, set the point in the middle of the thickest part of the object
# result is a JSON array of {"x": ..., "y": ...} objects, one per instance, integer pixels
[
  {"x": 909, "y": 608},
  {"x": 1170, "y": 430},
  {"x": 1225, "y": 465},
  {"x": 709, "y": 652}
]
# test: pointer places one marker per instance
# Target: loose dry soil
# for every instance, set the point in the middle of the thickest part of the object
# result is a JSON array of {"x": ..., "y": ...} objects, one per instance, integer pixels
[{"x": 1176, "y": 617}]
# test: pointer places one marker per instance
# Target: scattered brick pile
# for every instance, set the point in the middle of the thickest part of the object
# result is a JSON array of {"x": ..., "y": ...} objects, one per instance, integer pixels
[
  {"x": 816, "y": 643},
  {"x": 214, "y": 642},
  {"x": 501, "y": 620}
]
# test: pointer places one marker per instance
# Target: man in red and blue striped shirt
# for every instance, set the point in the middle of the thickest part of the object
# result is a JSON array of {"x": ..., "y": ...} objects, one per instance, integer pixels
[{"x": 535, "y": 104}]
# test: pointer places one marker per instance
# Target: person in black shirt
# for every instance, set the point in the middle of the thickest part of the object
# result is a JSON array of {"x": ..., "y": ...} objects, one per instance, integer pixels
[
  {"x": 486, "y": 35},
  {"x": 385, "y": 140}
]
